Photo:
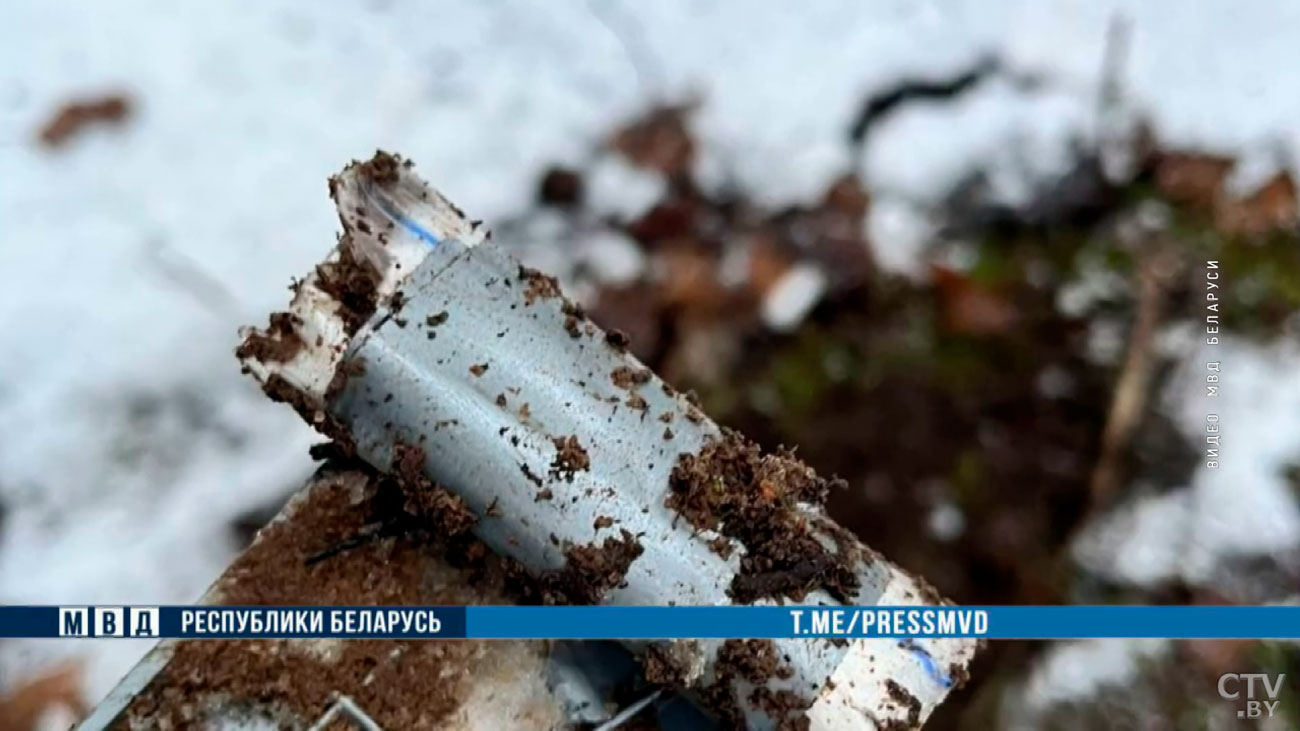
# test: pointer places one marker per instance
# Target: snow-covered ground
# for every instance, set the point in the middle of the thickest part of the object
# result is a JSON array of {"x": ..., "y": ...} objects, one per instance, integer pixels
[
  {"x": 118, "y": 479},
  {"x": 1243, "y": 508}
]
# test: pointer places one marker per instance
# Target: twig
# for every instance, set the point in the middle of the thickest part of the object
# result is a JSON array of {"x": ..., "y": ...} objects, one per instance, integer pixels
[
  {"x": 627, "y": 713},
  {"x": 345, "y": 706},
  {"x": 1129, "y": 400},
  {"x": 367, "y": 534},
  {"x": 1113, "y": 65}
]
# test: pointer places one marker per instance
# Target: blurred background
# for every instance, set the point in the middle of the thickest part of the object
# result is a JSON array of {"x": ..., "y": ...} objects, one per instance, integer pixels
[{"x": 955, "y": 252}]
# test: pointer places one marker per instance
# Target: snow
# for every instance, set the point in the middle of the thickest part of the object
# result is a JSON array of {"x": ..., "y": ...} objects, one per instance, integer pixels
[
  {"x": 245, "y": 107},
  {"x": 1076, "y": 670},
  {"x": 612, "y": 257},
  {"x": 792, "y": 296},
  {"x": 946, "y": 522},
  {"x": 907, "y": 230},
  {"x": 616, "y": 187},
  {"x": 1244, "y": 507},
  {"x": 1142, "y": 542}
]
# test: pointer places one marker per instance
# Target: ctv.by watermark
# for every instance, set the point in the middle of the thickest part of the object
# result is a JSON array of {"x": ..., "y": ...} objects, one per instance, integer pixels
[{"x": 1257, "y": 692}]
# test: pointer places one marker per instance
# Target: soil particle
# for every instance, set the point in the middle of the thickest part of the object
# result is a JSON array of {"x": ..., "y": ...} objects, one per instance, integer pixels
[
  {"x": 537, "y": 285},
  {"x": 278, "y": 389},
  {"x": 278, "y": 344},
  {"x": 436, "y": 319},
  {"x": 353, "y": 284},
  {"x": 723, "y": 546},
  {"x": 530, "y": 475},
  {"x": 929, "y": 594},
  {"x": 389, "y": 679},
  {"x": 570, "y": 458},
  {"x": 349, "y": 367},
  {"x": 753, "y": 660},
  {"x": 444, "y": 512},
  {"x": 959, "y": 675},
  {"x": 628, "y": 378},
  {"x": 637, "y": 403},
  {"x": 478, "y": 369},
  {"x": 798, "y": 722},
  {"x": 384, "y": 168},
  {"x": 573, "y": 309},
  {"x": 591, "y": 571},
  {"x": 662, "y": 667},
  {"x": 76, "y": 116},
  {"x": 603, "y": 521},
  {"x": 575, "y": 320},
  {"x": 780, "y": 704},
  {"x": 733, "y": 488},
  {"x": 617, "y": 340},
  {"x": 543, "y": 494},
  {"x": 720, "y": 697},
  {"x": 904, "y": 698},
  {"x": 668, "y": 434},
  {"x": 501, "y": 400},
  {"x": 326, "y": 451},
  {"x": 794, "y": 578}
]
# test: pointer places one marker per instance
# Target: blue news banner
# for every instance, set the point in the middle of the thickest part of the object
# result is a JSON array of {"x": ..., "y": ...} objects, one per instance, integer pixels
[{"x": 610, "y": 622}]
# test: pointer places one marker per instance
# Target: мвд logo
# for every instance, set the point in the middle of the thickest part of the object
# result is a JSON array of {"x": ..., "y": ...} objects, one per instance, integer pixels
[{"x": 108, "y": 621}]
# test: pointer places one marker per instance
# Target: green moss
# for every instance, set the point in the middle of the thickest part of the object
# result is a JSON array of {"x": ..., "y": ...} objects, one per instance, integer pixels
[
  {"x": 994, "y": 264},
  {"x": 797, "y": 374},
  {"x": 961, "y": 364},
  {"x": 1260, "y": 276},
  {"x": 968, "y": 477}
]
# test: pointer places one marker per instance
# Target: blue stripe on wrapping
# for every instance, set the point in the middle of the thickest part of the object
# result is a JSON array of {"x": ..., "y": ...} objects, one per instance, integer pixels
[
  {"x": 400, "y": 218},
  {"x": 927, "y": 661}
]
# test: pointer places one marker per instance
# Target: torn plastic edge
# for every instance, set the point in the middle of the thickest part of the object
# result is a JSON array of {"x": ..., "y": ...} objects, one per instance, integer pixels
[{"x": 391, "y": 225}]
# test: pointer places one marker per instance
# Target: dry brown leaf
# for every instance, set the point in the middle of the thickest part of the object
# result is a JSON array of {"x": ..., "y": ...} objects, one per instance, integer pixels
[
  {"x": 1192, "y": 179},
  {"x": 970, "y": 309},
  {"x": 1273, "y": 206},
  {"x": 687, "y": 278},
  {"x": 847, "y": 196},
  {"x": 660, "y": 140},
  {"x": 767, "y": 264}
]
